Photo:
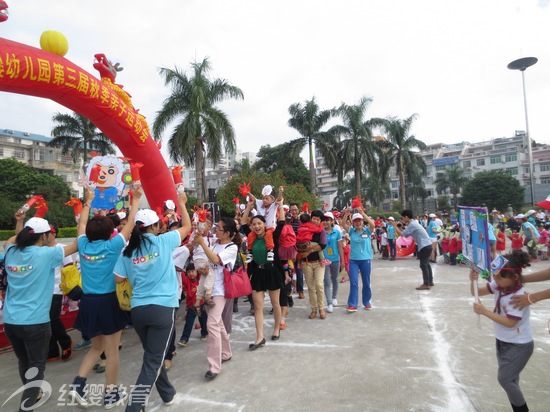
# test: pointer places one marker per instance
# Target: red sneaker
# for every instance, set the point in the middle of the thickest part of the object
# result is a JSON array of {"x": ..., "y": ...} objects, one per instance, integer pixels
[{"x": 351, "y": 309}]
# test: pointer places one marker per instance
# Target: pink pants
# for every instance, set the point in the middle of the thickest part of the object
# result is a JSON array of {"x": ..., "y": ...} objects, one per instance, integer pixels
[{"x": 217, "y": 345}]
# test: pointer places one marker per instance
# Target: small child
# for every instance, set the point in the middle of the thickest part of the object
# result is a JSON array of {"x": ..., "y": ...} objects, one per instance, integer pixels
[
  {"x": 306, "y": 230},
  {"x": 347, "y": 251},
  {"x": 514, "y": 340},
  {"x": 287, "y": 248},
  {"x": 453, "y": 246},
  {"x": 516, "y": 238},
  {"x": 543, "y": 240},
  {"x": 190, "y": 284},
  {"x": 501, "y": 239},
  {"x": 445, "y": 240},
  {"x": 202, "y": 265},
  {"x": 384, "y": 243},
  {"x": 268, "y": 209}
]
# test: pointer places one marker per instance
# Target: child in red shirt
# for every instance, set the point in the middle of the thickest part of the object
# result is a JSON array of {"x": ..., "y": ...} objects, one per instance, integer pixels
[
  {"x": 190, "y": 282},
  {"x": 347, "y": 250},
  {"x": 517, "y": 239},
  {"x": 501, "y": 240},
  {"x": 453, "y": 246}
]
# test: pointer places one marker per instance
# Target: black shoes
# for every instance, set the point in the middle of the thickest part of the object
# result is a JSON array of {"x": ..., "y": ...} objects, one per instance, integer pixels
[
  {"x": 210, "y": 375},
  {"x": 254, "y": 346},
  {"x": 276, "y": 337}
]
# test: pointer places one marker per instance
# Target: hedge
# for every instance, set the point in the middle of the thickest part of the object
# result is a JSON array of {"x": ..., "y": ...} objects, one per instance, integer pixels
[{"x": 64, "y": 232}]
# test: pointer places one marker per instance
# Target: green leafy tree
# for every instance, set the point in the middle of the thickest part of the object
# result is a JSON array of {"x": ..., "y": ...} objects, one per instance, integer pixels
[
  {"x": 308, "y": 119},
  {"x": 401, "y": 149},
  {"x": 494, "y": 188},
  {"x": 76, "y": 134},
  {"x": 357, "y": 150},
  {"x": 454, "y": 178},
  {"x": 202, "y": 129},
  {"x": 292, "y": 193},
  {"x": 18, "y": 182},
  {"x": 278, "y": 158},
  {"x": 415, "y": 187}
]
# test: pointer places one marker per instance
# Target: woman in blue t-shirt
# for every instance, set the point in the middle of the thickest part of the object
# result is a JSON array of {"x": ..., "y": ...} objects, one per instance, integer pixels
[
  {"x": 100, "y": 318},
  {"x": 148, "y": 265},
  {"x": 360, "y": 258},
  {"x": 30, "y": 272}
]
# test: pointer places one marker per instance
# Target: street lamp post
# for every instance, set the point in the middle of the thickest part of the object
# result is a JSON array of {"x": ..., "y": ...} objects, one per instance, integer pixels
[{"x": 521, "y": 65}]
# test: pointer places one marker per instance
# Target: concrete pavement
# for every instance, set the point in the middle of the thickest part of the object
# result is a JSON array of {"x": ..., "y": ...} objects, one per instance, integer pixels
[{"x": 415, "y": 351}]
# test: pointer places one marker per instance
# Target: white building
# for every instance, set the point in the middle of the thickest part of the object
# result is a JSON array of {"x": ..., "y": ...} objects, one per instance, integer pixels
[
  {"x": 508, "y": 153},
  {"x": 32, "y": 149}
]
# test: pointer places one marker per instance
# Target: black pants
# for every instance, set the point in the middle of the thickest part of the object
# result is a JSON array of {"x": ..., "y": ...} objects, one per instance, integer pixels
[
  {"x": 154, "y": 326},
  {"x": 30, "y": 344},
  {"x": 299, "y": 278},
  {"x": 59, "y": 333},
  {"x": 424, "y": 255}
]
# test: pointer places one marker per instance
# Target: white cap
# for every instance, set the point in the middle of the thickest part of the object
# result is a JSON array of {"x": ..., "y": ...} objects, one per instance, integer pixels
[
  {"x": 121, "y": 215},
  {"x": 170, "y": 204},
  {"x": 520, "y": 216},
  {"x": 432, "y": 215},
  {"x": 38, "y": 225},
  {"x": 357, "y": 216},
  {"x": 147, "y": 217},
  {"x": 329, "y": 215},
  {"x": 286, "y": 207},
  {"x": 531, "y": 212},
  {"x": 391, "y": 218}
]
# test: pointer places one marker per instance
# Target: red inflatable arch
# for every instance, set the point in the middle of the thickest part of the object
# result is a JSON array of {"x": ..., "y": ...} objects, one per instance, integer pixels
[{"x": 34, "y": 72}]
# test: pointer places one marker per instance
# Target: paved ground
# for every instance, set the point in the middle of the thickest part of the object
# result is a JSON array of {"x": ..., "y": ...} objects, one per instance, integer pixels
[{"x": 415, "y": 351}]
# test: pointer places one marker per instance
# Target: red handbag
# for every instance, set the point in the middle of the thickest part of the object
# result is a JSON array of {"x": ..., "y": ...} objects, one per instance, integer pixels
[{"x": 236, "y": 283}]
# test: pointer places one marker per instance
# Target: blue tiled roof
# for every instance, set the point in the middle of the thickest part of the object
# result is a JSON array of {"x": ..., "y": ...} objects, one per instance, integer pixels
[{"x": 26, "y": 135}]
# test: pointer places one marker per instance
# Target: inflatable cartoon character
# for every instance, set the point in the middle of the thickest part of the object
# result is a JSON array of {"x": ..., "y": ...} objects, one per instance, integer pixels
[
  {"x": 3, "y": 11},
  {"x": 110, "y": 186}
]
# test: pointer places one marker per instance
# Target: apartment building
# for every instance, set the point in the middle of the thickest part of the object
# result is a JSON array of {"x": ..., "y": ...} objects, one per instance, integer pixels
[{"x": 32, "y": 149}]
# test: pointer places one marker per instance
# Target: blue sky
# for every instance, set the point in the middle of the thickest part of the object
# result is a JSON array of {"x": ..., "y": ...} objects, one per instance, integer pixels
[{"x": 444, "y": 60}]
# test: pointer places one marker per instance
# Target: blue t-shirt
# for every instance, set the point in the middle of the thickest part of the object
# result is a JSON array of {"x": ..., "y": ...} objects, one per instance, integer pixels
[
  {"x": 331, "y": 250},
  {"x": 431, "y": 227},
  {"x": 30, "y": 282},
  {"x": 152, "y": 272},
  {"x": 97, "y": 261},
  {"x": 391, "y": 231},
  {"x": 360, "y": 244}
]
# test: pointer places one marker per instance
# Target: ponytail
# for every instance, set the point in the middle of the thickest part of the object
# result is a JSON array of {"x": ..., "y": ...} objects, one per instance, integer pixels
[
  {"x": 137, "y": 239},
  {"x": 26, "y": 237}
]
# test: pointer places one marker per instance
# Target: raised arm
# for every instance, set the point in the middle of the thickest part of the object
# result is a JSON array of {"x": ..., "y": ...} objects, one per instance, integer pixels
[
  {"x": 185, "y": 219},
  {"x": 249, "y": 205},
  {"x": 370, "y": 222},
  {"x": 345, "y": 220},
  {"x": 19, "y": 218},
  {"x": 128, "y": 227},
  {"x": 85, "y": 214}
]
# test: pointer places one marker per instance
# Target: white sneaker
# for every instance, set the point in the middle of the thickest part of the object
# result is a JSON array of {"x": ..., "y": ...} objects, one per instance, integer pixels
[
  {"x": 330, "y": 308},
  {"x": 334, "y": 302},
  {"x": 248, "y": 258},
  {"x": 270, "y": 256}
]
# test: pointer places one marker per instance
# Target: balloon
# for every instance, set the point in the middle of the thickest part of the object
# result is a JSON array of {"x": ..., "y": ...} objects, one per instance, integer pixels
[{"x": 54, "y": 42}]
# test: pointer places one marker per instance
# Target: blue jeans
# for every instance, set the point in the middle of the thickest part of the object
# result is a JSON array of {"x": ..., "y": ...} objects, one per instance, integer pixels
[
  {"x": 190, "y": 317},
  {"x": 393, "y": 250},
  {"x": 30, "y": 344},
  {"x": 356, "y": 266},
  {"x": 331, "y": 281}
]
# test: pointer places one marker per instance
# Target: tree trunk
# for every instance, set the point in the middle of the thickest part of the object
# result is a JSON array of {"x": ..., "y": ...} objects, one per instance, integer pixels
[
  {"x": 313, "y": 183},
  {"x": 357, "y": 173},
  {"x": 200, "y": 171},
  {"x": 403, "y": 194}
]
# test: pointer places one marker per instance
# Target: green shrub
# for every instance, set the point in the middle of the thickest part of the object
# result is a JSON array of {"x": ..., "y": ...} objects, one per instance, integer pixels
[
  {"x": 67, "y": 232},
  {"x": 6, "y": 234}
]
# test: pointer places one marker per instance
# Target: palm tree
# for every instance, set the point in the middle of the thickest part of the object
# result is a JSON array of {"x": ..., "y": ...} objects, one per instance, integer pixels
[
  {"x": 77, "y": 134},
  {"x": 357, "y": 150},
  {"x": 308, "y": 121},
  {"x": 377, "y": 188},
  {"x": 454, "y": 178},
  {"x": 399, "y": 146},
  {"x": 202, "y": 128},
  {"x": 416, "y": 187}
]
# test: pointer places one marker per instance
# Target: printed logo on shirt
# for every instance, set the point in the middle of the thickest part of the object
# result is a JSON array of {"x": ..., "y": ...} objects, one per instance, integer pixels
[
  {"x": 24, "y": 268},
  {"x": 93, "y": 258},
  {"x": 145, "y": 259}
]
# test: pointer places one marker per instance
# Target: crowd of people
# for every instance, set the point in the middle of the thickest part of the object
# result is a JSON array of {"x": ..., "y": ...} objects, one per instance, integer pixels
[{"x": 177, "y": 259}]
